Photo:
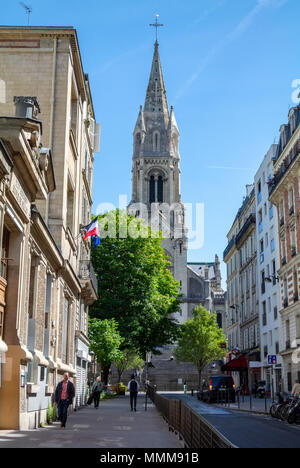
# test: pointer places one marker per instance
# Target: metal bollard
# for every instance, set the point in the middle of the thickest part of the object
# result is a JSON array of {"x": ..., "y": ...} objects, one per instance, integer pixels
[
  {"x": 238, "y": 398},
  {"x": 192, "y": 392}
]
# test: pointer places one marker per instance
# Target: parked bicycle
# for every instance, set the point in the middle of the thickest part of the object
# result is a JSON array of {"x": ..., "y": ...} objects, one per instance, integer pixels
[{"x": 293, "y": 415}]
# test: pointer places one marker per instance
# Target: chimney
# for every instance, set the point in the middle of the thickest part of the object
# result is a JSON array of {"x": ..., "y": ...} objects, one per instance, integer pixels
[{"x": 27, "y": 107}]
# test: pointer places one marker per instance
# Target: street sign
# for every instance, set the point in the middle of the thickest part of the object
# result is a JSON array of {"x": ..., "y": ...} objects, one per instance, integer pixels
[{"x": 272, "y": 359}]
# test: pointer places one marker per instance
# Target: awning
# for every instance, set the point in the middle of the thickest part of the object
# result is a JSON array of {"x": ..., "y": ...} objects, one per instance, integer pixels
[{"x": 236, "y": 365}]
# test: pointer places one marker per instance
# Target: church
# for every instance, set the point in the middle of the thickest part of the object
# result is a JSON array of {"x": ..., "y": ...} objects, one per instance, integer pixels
[{"x": 156, "y": 198}]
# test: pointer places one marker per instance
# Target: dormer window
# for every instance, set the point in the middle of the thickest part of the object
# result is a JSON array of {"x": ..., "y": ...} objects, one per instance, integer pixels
[
  {"x": 283, "y": 139},
  {"x": 292, "y": 123}
]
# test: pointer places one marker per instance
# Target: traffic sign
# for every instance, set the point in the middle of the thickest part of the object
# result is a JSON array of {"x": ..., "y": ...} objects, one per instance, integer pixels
[{"x": 272, "y": 359}]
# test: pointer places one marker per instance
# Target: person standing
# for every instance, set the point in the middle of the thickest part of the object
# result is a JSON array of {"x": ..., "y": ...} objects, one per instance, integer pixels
[
  {"x": 96, "y": 391},
  {"x": 133, "y": 388},
  {"x": 64, "y": 394}
]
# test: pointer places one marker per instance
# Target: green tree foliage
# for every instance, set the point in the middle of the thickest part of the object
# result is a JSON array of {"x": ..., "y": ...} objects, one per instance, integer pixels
[
  {"x": 135, "y": 286},
  {"x": 200, "y": 340},
  {"x": 105, "y": 342},
  {"x": 129, "y": 359}
]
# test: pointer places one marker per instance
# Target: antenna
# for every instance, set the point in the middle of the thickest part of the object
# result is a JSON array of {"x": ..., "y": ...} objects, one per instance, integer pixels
[{"x": 28, "y": 10}]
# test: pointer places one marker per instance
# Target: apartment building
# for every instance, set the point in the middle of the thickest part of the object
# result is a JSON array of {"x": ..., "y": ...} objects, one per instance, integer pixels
[
  {"x": 284, "y": 194},
  {"x": 243, "y": 319},
  {"x": 268, "y": 264},
  {"x": 47, "y": 281}
]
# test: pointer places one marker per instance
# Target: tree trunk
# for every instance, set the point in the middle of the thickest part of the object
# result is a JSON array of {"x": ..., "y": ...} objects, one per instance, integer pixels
[{"x": 106, "y": 369}]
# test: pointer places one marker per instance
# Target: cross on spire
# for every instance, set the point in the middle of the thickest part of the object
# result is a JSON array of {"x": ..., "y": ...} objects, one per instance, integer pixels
[{"x": 156, "y": 25}]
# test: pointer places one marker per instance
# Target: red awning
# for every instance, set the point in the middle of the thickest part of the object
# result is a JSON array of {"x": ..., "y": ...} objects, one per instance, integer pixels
[{"x": 238, "y": 364}]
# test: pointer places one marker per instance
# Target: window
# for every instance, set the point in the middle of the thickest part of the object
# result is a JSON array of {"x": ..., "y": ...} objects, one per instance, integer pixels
[
  {"x": 271, "y": 211},
  {"x": 4, "y": 253},
  {"x": 264, "y": 315},
  {"x": 160, "y": 190},
  {"x": 70, "y": 206},
  {"x": 260, "y": 221},
  {"x": 272, "y": 245},
  {"x": 82, "y": 316},
  {"x": 47, "y": 314},
  {"x": 156, "y": 141},
  {"x": 152, "y": 189},
  {"x": 261, "y": 244},
  {"x": 259, "y": 191},
  {"x": 65, "y": 329},
  {"x": 3, "y": 273},
  {"x": 263, "y": 284}
]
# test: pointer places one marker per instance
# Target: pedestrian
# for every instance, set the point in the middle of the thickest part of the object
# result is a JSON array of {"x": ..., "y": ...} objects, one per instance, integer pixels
[
  {"x": 96, "y": 391},
  {"x": 255, "y": 388},
  {"x": 133, "y": 388},
  {"x": 64, "y": 394}
]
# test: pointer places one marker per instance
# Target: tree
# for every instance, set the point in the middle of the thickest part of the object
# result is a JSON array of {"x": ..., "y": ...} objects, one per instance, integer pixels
[
  {"x": 135, "y": 286},
  {"x": 105, "y": 342},
  {"x": 129, "y": 359},
  {"x": 200, "y": 340}
]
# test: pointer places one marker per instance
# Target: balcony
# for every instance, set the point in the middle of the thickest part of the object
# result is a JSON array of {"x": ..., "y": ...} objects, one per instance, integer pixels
[
  {"x": 89, "y": 282},
  {"x": 229, "y": 247},
  {"x": 251, "y": 221},
  {"x": 296, "y": 297}
]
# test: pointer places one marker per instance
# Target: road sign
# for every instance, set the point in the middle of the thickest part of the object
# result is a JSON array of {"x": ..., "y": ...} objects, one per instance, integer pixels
[{"x": 272, "y": 359}]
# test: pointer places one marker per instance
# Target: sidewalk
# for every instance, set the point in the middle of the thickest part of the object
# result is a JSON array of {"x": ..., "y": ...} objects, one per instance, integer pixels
[
  {"x": 258, "y": 405},
  {"x": 113, "y": 425}
]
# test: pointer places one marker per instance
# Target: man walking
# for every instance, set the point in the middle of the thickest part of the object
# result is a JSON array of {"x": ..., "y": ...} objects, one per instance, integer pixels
[
  {"x": 64, "y": 394},
  {"x": 96, "y": 391},
  {"x": 133, "y": 388}
]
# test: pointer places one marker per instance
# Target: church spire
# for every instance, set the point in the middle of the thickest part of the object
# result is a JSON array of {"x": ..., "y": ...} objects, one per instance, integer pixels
[{"x": 156, "y": 97}]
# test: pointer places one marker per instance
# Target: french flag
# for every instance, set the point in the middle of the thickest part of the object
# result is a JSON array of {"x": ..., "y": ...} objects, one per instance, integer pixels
[{"x": 92, "y": 230}]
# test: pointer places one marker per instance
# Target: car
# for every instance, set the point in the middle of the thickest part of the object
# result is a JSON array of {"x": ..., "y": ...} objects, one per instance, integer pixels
[{"x": 217, "y": 389}]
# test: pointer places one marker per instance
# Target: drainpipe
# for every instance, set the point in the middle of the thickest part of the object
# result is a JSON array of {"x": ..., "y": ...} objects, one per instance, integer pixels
[{"x": 52, "y": 113}]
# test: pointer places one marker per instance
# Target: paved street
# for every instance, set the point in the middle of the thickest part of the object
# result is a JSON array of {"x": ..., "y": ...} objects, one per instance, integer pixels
[
  {"x": 246, "y": 430},
  {"x": 113, "y": 425}
]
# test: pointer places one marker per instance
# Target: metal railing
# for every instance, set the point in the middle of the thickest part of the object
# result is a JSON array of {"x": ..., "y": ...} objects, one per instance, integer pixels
[{"x": 191, "y": 427}]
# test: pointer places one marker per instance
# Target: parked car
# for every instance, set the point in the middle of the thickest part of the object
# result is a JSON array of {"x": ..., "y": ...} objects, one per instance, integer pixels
[{"x": 217, "y": 388}]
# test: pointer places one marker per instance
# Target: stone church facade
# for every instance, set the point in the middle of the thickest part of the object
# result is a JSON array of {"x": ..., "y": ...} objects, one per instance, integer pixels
[{"x": 156, "y": 198}]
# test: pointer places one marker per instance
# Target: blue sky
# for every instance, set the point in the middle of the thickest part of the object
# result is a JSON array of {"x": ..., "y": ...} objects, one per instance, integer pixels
[{"x": 228, "y": 67}]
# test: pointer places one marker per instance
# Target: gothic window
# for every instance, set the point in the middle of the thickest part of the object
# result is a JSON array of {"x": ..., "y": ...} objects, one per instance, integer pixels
[
  {"x": 156, "y": 189},
  {"x": 138, "y": 139},
  {"x": 152, "y": 189},
  {"x": 160, "y": 190},
  {"x": 156, "y": 141}
]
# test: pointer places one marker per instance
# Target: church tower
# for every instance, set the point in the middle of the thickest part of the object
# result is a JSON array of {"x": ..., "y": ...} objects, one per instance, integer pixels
[{"x": 156, "y": 174}]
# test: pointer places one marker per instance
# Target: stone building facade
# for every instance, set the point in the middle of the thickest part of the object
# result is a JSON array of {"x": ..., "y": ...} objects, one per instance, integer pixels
[
  {"x": 268, "y": 264},
  {"x": 243, "y": 313},
  {"x": 50, "y": 282},
  {"x": 284, "y": 190}
]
